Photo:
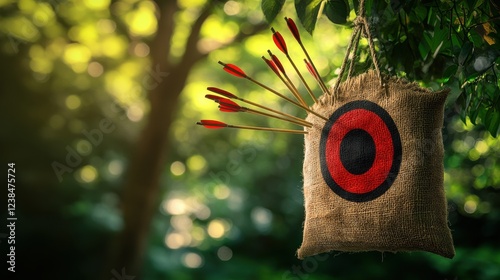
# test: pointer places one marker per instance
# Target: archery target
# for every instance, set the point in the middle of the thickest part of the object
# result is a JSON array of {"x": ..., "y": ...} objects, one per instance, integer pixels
[{"x": 360, "y": 151}]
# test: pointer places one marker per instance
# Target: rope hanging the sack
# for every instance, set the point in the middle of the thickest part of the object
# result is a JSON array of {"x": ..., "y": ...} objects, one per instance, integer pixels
[{"x": 360, "y": 26}]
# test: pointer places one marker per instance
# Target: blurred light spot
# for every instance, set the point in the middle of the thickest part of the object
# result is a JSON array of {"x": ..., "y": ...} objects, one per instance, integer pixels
[
  {"x": 21, "y": 29},
  {"x": 106, "y": 26},
  {"x": 222, "y": 31},
  {"x": 482, "y": 147},
  {"x": 192, "y": 260},
  {"x": 470, "y": 206},
  {"x": 458, "y": 126},
  {"x": 88, "y": 173},
  {"x": 232, "y": 8},
  {"x": 175, "y": 206},
  {"x": 143, "y": 22},
  {"x": 114, "y": 46},
  {"x": 469, "y": 141},
  {"x": 190, "y": 3},
  {"x": 203, "y": 212},
  {"x": 481, "y": 63},
  {"x": 115, "y": 167},
  {"x": 174, "y": 240},
  {"x": 206, "y": 45},
  {"x": 474, "y": 155},
  {"x": 177, "y": 168},
  {"x": 56, "y": 121},
  {"x": 262, "y": 218},
  {"x": 97, "y": 4},
  {"x": 181, "y": 222},
  {"x": 222, "y": 192},
  {"x": 480, "y": 182},
  {"x": 73, "y": 102},
  {"x": 196, "y": 163},
  {"x": 198, "y": 235},
  {"x": 85, "y": 33},
  {"x": 459, "y": 146},
  {"x": 254, "y": 17},
  {"x": 77, "y": 56},
  {"x": 95, "y": 69},
  {"x": 26, "y": 5},
  {"x": 224, "y": 253},
  {"x": 141, "y": 49},
  {"x": 216, "y": 228},
  {"x": 134, "y": 113},
  {"x": 83, "y": 147},
  {"x": 43, "y": 14}
]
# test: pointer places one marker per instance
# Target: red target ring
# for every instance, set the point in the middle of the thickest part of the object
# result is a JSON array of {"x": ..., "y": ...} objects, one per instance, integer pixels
[{"x": 360, "y": 151}]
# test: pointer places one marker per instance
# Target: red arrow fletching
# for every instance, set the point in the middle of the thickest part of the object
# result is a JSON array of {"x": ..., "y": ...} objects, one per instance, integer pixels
[
  {"x": 233, "y": 70},
  {"x": 277, "y": 62},
  {"x": 215, "y": 98},
  {"x": 279, "y": 41},
  {"x": 293, "y": 28},
  {"x": 222, "y": 92},
  {"x": 211, "y": 124},
  {"x": 272, "y": 65},
  {"x": 228, "y": 103},
  {"x": 311, "y": 69},
  {"x": 228, "y": 109}
]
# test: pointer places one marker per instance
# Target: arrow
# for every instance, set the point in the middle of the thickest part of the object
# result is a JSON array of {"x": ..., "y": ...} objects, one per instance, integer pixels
[
  {"x": 280, "y": 43},
  {"x": 232, "y": 69},
  {"x": 212, "y": 124},
  {"x": 295, "y": 32},
  {"x": 229, "y": 106},
  {"x": 232, "y": 96}
]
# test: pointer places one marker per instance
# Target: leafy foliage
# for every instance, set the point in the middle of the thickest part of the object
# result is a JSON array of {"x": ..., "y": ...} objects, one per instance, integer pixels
[
  {"x": 271, "y": 8},
  {"x": 307, "y": 11},
  {"x": 440, "y": 43},
  {"x": 337, "y": 11}
]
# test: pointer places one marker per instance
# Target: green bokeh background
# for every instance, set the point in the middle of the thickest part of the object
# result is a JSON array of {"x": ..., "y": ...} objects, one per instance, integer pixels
[{"x": 231, "y": 205}]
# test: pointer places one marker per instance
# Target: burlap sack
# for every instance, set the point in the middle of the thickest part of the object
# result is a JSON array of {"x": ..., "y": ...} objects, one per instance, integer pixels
[{"x": 405, "y": 208}]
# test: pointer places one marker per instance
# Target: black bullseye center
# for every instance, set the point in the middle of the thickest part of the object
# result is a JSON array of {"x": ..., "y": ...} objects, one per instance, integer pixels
[{"x": 357, "y": 151}]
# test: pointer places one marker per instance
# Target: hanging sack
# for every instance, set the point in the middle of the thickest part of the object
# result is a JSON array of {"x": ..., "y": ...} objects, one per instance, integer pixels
[{"x": 373, "y": 173}]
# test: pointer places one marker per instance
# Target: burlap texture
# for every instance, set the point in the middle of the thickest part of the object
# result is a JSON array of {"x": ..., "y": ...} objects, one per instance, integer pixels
[{"x": 412, "y": 214}]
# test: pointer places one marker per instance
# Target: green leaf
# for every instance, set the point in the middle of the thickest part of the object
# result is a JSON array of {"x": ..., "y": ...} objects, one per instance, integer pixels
[
  {"x": 307, "y": 11},
  {"x": 474, "y": 112},
  {"x": 355, "y": 4},
  {"x": 465, "y": 52},
  {"x": 492, "y": 121},
  {"x": 423, "y": 47},
  {"x": 460, "y": 105},
  {"x": 337, "y": 11},
  {"x": 472, "y": 76},
  {"x": 271, "y": 8},
  {"x": 420, "y": 13},
  {"x": 449, "y": 73},
  {"x": 396, "y": 5}
]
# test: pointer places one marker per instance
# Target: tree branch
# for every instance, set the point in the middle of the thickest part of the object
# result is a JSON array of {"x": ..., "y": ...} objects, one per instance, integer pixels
[
  {"x": 191, "y": 53},
  {"x": 161, "y": 45}
]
